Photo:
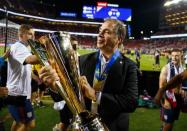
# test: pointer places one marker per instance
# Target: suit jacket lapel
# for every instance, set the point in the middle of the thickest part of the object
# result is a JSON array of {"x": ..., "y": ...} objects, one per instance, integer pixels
[
  {"x": 89, "y": 70},
  {"x": 115, "y": 71},
  {"x": 117, "y": 67}
]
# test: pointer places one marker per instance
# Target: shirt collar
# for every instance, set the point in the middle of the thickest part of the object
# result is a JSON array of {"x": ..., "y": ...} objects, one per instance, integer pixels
[{"x": 103, "y": 59}]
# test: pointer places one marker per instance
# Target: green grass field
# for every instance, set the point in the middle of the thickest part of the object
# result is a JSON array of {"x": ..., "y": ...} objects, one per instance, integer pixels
[
  {"x": 143, "y": 119},
  {"x": 46, "y": 117},
  {"x": 147, "y": 61}
]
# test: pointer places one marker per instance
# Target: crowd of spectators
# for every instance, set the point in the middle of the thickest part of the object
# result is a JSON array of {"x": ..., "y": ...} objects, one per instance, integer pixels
[
  {"x": 87, "y": 41},
  {"x": 149, "y": 46}
]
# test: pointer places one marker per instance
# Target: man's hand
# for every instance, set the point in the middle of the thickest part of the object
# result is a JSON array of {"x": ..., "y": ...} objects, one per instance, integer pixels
[
  {"x": 36, "y": 78},
  {"x": 159, "y": 95},
  {"x": 60, "y": 127},
  {"x": 6, "y": 54},
  {"x": 49, "y": 76},
  {"x": 3, "y": 91},
  {"x": 87, "y": 90}
]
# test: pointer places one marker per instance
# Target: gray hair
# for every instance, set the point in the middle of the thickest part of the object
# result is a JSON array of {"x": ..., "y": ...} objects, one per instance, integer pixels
[{"x": 119, "y": 28}]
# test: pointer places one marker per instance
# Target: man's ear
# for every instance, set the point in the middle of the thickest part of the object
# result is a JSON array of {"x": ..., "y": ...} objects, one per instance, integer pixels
[
  {"x": 20, "y": 35},
  {"x": 120, "y": 41}
]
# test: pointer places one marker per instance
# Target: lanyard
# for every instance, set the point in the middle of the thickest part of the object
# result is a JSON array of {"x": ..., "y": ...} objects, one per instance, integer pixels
[{"x": 102, "y": 75}]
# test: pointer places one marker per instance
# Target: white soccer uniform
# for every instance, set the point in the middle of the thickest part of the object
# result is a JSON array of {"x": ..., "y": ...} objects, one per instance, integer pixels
[{"x": 19, "y": 75}]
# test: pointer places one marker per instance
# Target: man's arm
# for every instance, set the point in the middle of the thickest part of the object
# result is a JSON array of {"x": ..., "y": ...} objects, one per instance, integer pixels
[
  {"x": 6, "y": 54},
  {"x": 163, "y": 77},
  {"x": 175, "y": 81},
  {"x": 87, "y": 90},
  {"x": 32, "y": 59},
  {"x": 162, "y": 83}
]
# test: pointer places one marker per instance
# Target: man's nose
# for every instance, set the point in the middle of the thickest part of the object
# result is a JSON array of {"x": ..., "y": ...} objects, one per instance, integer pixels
[{"x": 101, "y": 33}]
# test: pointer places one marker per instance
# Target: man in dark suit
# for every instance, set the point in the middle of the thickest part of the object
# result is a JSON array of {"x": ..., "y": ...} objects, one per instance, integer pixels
[{"x": 109, "y": 79}]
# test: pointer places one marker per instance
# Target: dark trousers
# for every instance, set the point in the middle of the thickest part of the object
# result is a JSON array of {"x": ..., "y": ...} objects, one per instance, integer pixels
[{"x": 120, "y": 124}]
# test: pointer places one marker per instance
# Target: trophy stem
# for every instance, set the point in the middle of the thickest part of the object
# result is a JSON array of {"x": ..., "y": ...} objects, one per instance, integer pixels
[
  {"x": 87, "y": 121},
  {"x": 76, "y": 124}
]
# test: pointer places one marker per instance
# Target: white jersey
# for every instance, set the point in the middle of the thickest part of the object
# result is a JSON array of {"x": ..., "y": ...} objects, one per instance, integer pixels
[
  {"x": 181, "y": 69},
  {"x": 19, "y": 75}
]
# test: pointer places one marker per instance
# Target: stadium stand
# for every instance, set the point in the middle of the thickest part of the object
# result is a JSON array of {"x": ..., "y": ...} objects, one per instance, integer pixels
[
  {"x": 173, "y": 18},
  {"x": 38, "y": 8}
]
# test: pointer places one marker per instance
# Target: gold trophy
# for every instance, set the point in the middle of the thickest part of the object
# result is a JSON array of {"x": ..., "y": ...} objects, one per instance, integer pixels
[{"x": 56, "y": 50}]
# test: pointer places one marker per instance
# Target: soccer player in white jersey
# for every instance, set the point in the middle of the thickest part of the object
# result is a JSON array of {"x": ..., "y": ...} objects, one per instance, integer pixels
[{"x": 19, "y": 81}]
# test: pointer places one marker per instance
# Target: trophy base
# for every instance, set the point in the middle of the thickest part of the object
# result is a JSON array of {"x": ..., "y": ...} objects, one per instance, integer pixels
[{"x": 86, "y": 121}]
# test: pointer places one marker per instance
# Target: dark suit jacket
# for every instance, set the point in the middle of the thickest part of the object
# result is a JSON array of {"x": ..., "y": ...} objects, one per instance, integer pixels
[{"x": 120, "y": 93}]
